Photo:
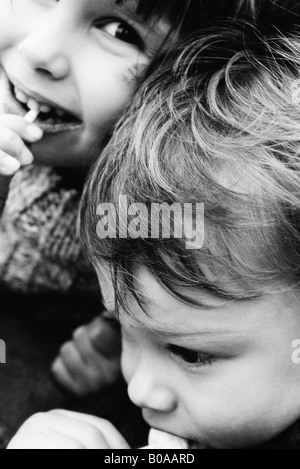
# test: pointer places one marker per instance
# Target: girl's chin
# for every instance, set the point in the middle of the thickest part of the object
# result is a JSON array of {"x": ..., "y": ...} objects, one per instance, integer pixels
[
  {"x": 65, "y": 149},
  {"x": 48, "y": 154}
]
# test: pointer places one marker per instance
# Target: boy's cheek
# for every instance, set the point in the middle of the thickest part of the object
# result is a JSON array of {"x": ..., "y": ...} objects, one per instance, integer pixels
[
  {"x": 231, "y": 431},
  {"x": 125, "y": 368},
  {"x": 234, "y": 424},
  {"x": 128, "y": 362}
]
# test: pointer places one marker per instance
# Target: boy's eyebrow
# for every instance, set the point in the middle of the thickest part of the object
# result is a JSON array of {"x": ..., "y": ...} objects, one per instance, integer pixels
[
  {"x": 172, "y": 331},
  {"x": 200, "y": 304},
  {"x": 208, "y": 333}
]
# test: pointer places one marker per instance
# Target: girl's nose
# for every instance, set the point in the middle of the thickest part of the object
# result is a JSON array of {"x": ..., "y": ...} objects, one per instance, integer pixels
[
  {"x": 150, "y": 391},
  {"x": 45, "y": 53}
]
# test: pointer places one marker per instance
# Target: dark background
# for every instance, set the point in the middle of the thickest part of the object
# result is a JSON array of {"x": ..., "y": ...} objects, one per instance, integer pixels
[{"x": 33, "y": 328}]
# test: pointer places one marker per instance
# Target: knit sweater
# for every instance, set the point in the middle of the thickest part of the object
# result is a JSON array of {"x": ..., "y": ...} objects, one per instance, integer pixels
[{"x": 39, "y": 249}]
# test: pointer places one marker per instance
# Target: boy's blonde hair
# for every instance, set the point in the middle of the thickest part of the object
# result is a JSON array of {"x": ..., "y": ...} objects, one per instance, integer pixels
[{"x": 219, "y": 124}]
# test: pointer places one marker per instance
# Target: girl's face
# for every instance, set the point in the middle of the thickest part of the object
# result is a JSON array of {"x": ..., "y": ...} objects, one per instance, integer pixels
[
  {"x": 222, "y": 375},
  {"x": 80, "y": 62}
]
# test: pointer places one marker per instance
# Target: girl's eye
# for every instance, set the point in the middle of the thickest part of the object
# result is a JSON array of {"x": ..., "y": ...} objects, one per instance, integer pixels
[
  {"x": 191, "y": 357},
  {"x": 123, "y": 32}
]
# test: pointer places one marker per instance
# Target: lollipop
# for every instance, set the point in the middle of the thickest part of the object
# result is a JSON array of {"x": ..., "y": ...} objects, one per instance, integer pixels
[
  {"x": 32, "y": 115},
  {"x": 162, "y": 440}
]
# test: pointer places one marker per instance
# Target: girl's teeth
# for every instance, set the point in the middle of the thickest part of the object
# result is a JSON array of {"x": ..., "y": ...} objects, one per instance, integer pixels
[
  {"x": 45, "y": 108},
  {"x": 21, "y": 96},
  {"x": 33, "y": 105}
]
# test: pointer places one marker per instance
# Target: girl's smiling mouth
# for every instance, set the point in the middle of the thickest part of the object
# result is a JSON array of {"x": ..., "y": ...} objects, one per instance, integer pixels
[{"x": 52, "y": 118}]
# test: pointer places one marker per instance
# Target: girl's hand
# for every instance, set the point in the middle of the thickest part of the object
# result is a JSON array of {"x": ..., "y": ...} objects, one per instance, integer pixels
[
  {"x": 61, "y": 429},
  {"x": 14, "y": 132}
]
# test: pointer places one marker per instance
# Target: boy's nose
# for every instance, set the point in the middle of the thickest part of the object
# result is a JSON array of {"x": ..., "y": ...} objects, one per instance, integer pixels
[
  {"x": 148, "y": 391},
  {"x": 45, "y": 53}
]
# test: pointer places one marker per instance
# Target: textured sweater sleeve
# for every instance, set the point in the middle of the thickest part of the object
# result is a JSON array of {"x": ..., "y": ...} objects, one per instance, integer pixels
[{"x": 39, "y": 248}]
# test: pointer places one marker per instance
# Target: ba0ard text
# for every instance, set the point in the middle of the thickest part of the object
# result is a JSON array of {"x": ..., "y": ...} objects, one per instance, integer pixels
[{"x": 150, "y": 458}]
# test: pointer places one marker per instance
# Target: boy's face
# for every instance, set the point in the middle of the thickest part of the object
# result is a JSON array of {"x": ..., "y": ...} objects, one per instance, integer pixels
[
  {"x": 81, "y": 57},
  {"x": 221, "y": 376}
]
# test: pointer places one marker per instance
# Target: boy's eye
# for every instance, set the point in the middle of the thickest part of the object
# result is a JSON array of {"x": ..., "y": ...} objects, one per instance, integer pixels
[
  {"x": 191, "y": 357},
  {"x": 123, "y": 32}
]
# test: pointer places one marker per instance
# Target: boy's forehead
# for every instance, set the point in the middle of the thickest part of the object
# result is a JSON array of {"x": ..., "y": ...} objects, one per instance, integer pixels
[
  {"x": 216, "y": 316},
  {"x": 165, "y": 313}
]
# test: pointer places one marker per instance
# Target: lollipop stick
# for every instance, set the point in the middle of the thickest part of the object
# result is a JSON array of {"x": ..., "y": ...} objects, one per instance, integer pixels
[{"x": 32, "y": 115}]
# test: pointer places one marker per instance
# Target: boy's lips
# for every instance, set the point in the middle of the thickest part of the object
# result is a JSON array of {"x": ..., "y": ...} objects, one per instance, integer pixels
[
  {"x": 152, "y": 422},
  {"x": 53, "y": 117}
]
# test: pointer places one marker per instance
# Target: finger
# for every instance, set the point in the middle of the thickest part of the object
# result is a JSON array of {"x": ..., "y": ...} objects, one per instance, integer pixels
[
  {"x": 29, "y": 132},
  {"x": 72, "y": 358},
  {"x": 83, "y": 372},
  {"x": 83, "y": 343},
  {"x": 8, "y": 167},
  {"x": 105, "y": 336},
  {"x": 65, "y": 379},
  {"x": 12, "y": 144},
  {"x": 113, "y": 438},
  {"x": 101, "y": 367},
  {"x": 78, "y": 429},
  {"x": 54, "y": 423},
  {"x": 85, "y": 364},
  {"x": 47, "y": 439}
]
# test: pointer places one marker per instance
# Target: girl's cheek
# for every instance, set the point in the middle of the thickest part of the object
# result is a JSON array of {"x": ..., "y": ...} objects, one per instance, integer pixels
[
  {"x": 134, "y": 74},
  {"x": 11, "y": 30},
  {"x": 7, "y": 36}
]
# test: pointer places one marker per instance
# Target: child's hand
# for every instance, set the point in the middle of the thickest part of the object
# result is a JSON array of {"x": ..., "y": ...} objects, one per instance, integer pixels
[
  {"x": 61, "y": 429},
  {"x": 92, "y": 360},
  {"x": 14, "y": 132}
]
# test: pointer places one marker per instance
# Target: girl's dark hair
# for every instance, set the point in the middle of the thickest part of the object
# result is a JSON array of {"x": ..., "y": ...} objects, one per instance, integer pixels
[{"x": 189, "y": 16}]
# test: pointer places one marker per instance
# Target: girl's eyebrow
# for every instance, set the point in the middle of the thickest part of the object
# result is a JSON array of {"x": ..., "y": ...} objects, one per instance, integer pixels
[{"x": 130, "y": 9}]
